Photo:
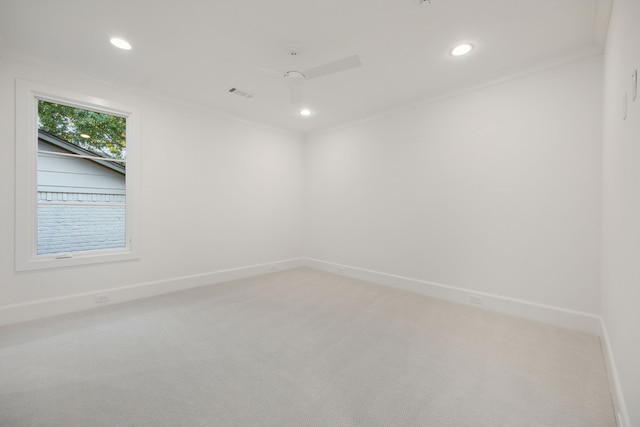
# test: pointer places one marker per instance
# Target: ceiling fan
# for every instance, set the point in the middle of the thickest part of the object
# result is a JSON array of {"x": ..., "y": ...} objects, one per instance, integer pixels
[{"x": 295, "y": 78}]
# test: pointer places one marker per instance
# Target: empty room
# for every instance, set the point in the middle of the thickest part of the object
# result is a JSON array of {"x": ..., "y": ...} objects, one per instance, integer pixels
[{"x": 342, "y": 213}]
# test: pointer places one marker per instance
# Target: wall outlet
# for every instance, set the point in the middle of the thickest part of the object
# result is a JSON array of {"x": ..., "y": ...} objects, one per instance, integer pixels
[
  {"x": 475, "y": 299},
  {"x": 102, "y": 298}
]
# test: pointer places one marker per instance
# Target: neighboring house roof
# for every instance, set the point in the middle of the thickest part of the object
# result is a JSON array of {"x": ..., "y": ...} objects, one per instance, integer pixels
[{"x": 74, "y": 149}]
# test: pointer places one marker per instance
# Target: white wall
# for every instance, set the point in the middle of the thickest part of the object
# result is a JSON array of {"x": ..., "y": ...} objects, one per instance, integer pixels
[
  {"x": 217, "y": 194},
  {"x": 496, "y": 190},
  {"x": 621, "y": 217}
]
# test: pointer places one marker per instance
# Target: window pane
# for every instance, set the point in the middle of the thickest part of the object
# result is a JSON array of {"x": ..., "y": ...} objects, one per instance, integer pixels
[
  {"x": 74, "y": 228},
  {"x": 98, "y": 133},
  {"x": 81, "y": 180}
]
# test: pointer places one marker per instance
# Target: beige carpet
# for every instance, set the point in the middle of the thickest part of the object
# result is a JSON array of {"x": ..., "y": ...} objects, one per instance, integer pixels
[{"x": 299, "y": 348}]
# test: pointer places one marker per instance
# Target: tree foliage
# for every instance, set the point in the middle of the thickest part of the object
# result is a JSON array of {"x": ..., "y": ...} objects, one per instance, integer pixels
[{"x": 99, "y": 133}]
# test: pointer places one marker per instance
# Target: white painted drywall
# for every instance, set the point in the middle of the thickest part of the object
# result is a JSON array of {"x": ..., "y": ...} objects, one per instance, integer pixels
[
  {"x": 621, "y": 215},
  {"x": 216, "y": 193},
  {"x": 496, "y": 190}
]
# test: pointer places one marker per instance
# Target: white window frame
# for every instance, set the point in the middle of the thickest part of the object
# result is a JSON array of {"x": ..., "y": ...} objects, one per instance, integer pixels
[{"x": 26, "y": 182}]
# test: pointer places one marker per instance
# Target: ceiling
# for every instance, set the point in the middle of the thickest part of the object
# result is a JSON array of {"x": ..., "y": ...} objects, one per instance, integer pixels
[{"x": 196, "y": 50}]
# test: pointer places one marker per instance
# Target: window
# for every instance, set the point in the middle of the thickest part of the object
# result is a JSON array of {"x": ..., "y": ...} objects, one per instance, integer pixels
[{"x": 76, "y": 175}]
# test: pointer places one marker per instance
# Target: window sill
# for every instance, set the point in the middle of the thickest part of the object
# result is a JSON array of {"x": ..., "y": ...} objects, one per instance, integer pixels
[{"x": 75, "y": 259}]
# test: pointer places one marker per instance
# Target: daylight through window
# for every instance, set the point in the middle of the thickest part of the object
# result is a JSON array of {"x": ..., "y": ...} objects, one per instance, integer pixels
[{"x": 81, "y": 180}]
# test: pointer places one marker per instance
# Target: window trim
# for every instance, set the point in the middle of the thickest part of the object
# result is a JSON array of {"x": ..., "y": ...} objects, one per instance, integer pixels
[{"x": 26, "y": 186}]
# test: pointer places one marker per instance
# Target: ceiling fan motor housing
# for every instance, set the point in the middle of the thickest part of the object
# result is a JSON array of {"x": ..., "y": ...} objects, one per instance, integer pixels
[{"x": 293, "y": 74}]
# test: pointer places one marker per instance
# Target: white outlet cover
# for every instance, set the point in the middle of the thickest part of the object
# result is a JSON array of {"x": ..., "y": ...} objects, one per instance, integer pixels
[
  {"x": 102, "y": 298},
  {"x": 476, "y": 299}
]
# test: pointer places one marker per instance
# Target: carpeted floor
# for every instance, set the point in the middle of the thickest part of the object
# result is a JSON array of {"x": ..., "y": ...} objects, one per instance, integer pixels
[{"x": 299, "y": 348}]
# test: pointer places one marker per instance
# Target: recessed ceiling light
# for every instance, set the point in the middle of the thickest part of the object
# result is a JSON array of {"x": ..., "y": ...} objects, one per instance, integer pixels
[
  {"x": 120, "y": 43},
  {"x": 305, "y": 112},
  {"x": 461, "y": 49}
]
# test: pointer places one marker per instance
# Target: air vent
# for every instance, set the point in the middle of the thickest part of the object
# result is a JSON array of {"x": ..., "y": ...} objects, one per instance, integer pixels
[{"x": 241, "y": 93}]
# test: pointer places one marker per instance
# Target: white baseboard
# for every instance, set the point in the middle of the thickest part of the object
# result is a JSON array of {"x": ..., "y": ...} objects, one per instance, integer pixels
[
  {"x": 619, "y": 405},
  {"x": 583, "y": 322},
  {"x": 32, "y": 310},
  {"x": 570, "y": 319}
]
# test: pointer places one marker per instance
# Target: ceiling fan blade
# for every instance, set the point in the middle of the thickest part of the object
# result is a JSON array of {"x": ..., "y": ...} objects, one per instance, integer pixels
[{"x": 333, "y": 67}]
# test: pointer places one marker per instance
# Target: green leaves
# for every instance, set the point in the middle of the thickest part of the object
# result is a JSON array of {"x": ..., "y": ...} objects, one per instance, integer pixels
[{"x": 99, "y": 133}]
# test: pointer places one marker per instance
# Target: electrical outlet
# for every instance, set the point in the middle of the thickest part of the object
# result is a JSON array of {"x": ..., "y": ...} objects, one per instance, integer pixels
[
  {"x": 102, "y": 298},
  {"x": 475, "y": 299}
]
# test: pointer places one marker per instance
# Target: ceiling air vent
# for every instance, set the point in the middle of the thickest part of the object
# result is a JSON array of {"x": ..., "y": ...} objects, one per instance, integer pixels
[{"x": 241, "y": 93}]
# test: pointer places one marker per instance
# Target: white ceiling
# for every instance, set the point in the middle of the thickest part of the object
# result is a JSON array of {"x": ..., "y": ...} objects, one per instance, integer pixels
[{"x": 197, "y": 49}]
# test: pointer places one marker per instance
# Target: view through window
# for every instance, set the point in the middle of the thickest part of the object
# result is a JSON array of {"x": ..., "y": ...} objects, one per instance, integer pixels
[{"x": 81, "y": 180}]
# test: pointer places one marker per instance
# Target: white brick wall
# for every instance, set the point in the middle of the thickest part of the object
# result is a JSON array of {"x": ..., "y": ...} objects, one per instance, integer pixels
[{"x": 71, "y": 222}]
